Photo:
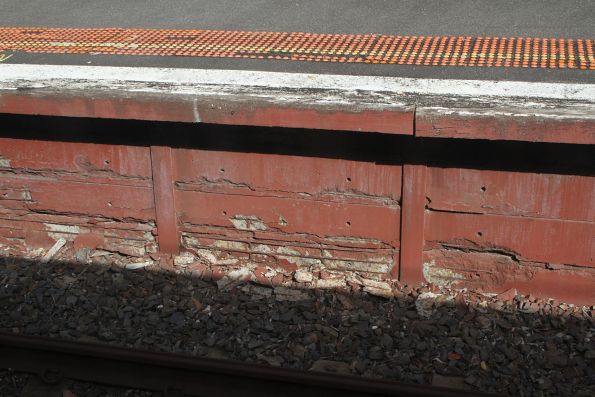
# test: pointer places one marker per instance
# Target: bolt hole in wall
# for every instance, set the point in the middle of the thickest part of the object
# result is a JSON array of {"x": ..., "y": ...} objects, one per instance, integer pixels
[{"x": 456, "y": 167}]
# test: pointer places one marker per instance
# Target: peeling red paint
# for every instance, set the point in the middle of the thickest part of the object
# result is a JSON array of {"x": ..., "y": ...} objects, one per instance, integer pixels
[
  {"x": 289, "y": 176},
  {"x": 65, "y": 197},
  {"x": 531, "y": 239},
  {"x": 95, "y": 196},
  {"x": 89, "y": 159},
  {"x": 302, "y": 216},
  {"x": 506, "y": 125},
  {"x": 249, "y": 111},
  {"x": 145, "y": 108},
  {"x": 496, "y": 272},
  {"x": 385, "y": 121},
  {"x": 345, "y": 223},
  {"x": 563, "y": 197}
]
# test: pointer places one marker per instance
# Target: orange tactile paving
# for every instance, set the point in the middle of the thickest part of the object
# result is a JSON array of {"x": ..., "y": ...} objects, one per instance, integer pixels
[{"x": 517, "y": 52}]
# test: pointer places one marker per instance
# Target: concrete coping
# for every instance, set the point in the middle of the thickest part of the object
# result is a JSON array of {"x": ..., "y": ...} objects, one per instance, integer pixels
[{"x": 442, "y": 108}]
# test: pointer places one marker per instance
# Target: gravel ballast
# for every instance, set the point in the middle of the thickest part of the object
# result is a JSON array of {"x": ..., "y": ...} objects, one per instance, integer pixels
[{"x": 509, "y": 344}]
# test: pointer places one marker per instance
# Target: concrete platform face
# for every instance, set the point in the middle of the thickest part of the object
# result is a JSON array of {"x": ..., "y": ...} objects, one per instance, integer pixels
[
  {"x": 303, "y": 208},
  {"x": 355, "y": 186},
  {"x": 511, "y": 19}
]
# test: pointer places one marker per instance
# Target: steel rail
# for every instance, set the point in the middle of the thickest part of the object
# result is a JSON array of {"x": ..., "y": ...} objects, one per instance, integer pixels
[{"x": 54, "y": 360}]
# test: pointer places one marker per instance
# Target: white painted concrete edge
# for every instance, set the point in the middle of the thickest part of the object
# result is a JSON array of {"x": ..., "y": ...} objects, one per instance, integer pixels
[{"x": 12, "y": 77}]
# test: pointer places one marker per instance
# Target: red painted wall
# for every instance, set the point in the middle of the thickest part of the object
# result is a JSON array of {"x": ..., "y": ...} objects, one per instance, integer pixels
[{"x": 454, "y": 225}]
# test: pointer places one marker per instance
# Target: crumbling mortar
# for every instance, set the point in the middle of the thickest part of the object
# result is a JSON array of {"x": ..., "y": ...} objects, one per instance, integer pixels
[
  {"x": 253, "y": 250},
  {"x": 96, "y": 216},
  {"x": 316, "y": 239},
  {"x": 87, "y": 221},
  {"x": 58, "y": 175},
  {"x": 482, "y": 249}
]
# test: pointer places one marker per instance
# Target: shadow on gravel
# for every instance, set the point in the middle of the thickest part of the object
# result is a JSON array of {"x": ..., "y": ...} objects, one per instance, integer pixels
[{"x": 515, "y": 345}]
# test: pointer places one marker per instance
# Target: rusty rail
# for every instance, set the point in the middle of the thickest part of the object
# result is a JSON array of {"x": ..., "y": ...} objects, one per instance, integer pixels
[{"x": 56, "y": 359}]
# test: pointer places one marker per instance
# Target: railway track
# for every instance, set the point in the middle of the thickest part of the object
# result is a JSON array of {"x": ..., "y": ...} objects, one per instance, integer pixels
[{"x": 54, "y": 360}]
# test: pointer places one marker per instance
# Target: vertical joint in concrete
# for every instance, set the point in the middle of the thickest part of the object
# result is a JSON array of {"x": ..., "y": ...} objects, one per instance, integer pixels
[
  {"x": 413, "y": 199},
  {"x": 165, "y": 207}
]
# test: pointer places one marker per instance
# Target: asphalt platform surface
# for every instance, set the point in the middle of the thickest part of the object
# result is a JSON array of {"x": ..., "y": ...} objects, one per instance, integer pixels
[{"x": 502, "y": 18}]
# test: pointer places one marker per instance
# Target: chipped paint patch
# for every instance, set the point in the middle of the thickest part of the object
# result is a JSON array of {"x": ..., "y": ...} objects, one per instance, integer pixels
[
  {"x": 440, "y": 276},
  {"x": 4, "y": 162},
  {"x": 287, "y": 251},
  {"x": 383, "y": 292},
  {"x": 375, "y": 284},
  {"x": 212, "y": 259},
  {"x": 301, "y": 261},
  {"x": 248, "y": 222},
  {"x": 184, "y": 259},
  {"x": 354, "y": 240},
  {"x": 26, "y": 195},
  {"x": 297, "y": 258},
  {"x": 303, "y": 276},
  {"x": 356, "y": 266},
  {"x": 231, "y": 245},
  {"x": 261, "y": 249},
  {"x": 56, "y": 228},
  {"x": 138, "y": 265},
  {"x": 331, "y": 283}
]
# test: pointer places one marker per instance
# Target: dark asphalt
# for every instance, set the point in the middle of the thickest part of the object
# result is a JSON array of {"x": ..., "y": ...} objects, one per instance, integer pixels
[{"x": 527, "y": 18}]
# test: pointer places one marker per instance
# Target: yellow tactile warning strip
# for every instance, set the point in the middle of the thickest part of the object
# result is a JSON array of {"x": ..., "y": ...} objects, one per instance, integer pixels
[{"x": 524, "y": 52}]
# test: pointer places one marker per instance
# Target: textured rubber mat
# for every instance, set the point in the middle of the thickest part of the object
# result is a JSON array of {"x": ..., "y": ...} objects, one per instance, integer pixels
[{"x": 315, "y": 47}]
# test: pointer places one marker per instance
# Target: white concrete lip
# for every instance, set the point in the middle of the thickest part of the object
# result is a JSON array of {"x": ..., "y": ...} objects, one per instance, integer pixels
[{"x": 13, "y": 74}]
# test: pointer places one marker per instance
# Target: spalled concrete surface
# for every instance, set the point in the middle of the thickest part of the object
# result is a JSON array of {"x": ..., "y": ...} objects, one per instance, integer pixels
[{"x": 568, "y": 19}]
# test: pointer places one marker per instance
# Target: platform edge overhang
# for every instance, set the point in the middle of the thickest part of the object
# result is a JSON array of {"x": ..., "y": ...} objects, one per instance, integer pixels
[{"x": 470, "y": 109}]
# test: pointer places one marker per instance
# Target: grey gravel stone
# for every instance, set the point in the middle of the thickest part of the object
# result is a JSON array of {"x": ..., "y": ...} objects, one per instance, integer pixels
[{"x": 517, "y": 346}]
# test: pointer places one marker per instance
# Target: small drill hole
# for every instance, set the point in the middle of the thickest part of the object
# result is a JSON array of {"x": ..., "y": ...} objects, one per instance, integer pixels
[
  {"x": 109, "y": 203},
  {"x": 222, "y": 170},
  {"x": 348, "y": 180},
  {"x": 348, "y": 223},
  {"x": 224, "y": 212},
  {"x": 479, "y": 234},
  {"x": 483, "y": 188}
]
